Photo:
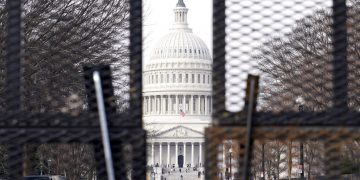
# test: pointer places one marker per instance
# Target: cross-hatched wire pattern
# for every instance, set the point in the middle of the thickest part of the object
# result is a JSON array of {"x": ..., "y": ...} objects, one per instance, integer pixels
[
  {"x": 49, "y": 119},
  {"x": 306, "y": 117}
]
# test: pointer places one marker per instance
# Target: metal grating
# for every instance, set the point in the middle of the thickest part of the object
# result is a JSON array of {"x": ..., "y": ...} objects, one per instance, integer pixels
[
  {"x": 305, "y": 122},
  {"x": 49, "y": 119}
]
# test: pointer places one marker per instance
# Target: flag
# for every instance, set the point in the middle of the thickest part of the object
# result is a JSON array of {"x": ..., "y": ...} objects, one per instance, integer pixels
[{"x": 182, "y": 114}]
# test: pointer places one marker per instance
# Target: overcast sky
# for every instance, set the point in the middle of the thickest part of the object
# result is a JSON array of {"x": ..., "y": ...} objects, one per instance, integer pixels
[
  {"x": 158, "y": 17},
  {"x": 249, "y": 24}
]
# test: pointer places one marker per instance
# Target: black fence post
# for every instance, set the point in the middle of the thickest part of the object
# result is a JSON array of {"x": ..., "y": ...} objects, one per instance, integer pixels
[
  {"x": 340, "y": 64},
  {"x": 14, "y": 49}
]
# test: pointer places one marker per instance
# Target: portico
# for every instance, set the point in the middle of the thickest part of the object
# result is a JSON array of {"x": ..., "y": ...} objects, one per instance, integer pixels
[{"x": 179, "y": 147}]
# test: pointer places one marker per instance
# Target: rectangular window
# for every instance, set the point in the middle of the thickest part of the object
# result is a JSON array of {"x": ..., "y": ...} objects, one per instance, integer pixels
[
  {"x": 162, "y": 79},
  {"x": 204, "y": 78},
  {"x": 180, "y": 78},
  {"x": 193, "y": 78},
  {"x": 167, "y": 78},
  {"x": 208, "y": 79},
  {"x": 198, "y": 78},
  {"x": 186, "y": 78},
  {"x": 174, "y": 78}
]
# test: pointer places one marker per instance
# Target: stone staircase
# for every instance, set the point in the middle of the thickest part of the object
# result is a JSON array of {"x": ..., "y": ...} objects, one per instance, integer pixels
[{"x": 176, "y": 175}]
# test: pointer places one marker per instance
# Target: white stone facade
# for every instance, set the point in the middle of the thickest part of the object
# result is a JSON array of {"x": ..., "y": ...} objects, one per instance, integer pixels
[{"x": 177, "y": 96}]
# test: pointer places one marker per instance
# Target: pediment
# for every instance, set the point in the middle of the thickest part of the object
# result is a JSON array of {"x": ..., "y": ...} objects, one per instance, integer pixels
[{"x": 180, "y": 132}]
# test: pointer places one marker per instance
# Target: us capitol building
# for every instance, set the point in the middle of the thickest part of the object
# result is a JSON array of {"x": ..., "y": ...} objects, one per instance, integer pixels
[{"x": 177, "y": 96}]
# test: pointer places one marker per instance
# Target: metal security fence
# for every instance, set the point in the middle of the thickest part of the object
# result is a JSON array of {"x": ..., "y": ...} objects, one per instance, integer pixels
[
  {"x": 54, "y": 84},
  {"x": 302, "y": 121},
  {"x": 296, "y": 119}
]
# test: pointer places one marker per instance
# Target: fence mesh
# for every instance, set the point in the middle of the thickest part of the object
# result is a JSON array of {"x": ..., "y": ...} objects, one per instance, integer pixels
[
  {"x": 305, "y": 122},
  {"x": 49, "y": 119},
  {"x": 306, "y": 118}
]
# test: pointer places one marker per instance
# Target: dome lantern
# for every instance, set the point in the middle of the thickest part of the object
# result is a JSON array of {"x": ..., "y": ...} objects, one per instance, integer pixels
[
  {"x": 180, "y": 4},
  {"x": 180, "y": 12}
]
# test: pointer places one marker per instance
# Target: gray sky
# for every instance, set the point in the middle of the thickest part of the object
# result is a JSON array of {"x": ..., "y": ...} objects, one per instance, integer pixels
[
  {"x": 249, "y": 24},
  {"x": 158, "y": 18}
]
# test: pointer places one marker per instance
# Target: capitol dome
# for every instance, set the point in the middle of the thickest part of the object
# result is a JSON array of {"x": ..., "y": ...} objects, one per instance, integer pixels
[
  {"x": 177, "y": 79},
  {"x": 177, "y": 103},
  {"x": 181, "y": 44}
]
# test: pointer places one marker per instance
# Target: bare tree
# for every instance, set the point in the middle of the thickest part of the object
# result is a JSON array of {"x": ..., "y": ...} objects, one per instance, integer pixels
[
  {"x": 299, "y": 64},
  {"x": 61, "y": 36}
]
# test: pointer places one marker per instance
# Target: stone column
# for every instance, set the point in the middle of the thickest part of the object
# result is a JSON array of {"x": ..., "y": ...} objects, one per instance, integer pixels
[
  {"x": 160, "y": 149},
  {"x": 191, "y": 104},
  {"x": 159, "y": 104},
  {"x": 147, "y": 105},
  {"x": 200, "y": 153},
  {"x": 176, "y": 155},
  {"x": 177, "y": 104},
  {"x": 199, "y": 105},
  {"x": 184, "y": 154},
  {"x": 168, "y": 154},
  {"x": 184, "y": 103},
  {"x": 162, "y": 104},
  {"x": 154, "y": 104},
  {"x": 206, "y": 105},
  {"x": 169, "y": 104},
  {"x": 152, "y": 154},
  {"x": 192, "y": 154}
]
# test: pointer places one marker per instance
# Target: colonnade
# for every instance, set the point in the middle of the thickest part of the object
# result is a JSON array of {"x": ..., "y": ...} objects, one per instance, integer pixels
[
  {"x": 180, "y": 149},
  {"x": 173, "y": 104}
]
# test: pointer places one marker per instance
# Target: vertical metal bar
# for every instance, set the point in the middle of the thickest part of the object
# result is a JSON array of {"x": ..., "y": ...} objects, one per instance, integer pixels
[
  {"x": 263, "y": 161},
  {"x": 15, "y": 161},
  {"x": 104, "y": 126},
  {"x": 136, "y": 62},
  {"x": 218, "y": 75},
  {"x": 340, "y": 74},
  {"x": 302, "y": 173},
  {"x": 14, "y": 41},
  {"x": 249, "y": 141},
  {"x": 138, "y": 160}
]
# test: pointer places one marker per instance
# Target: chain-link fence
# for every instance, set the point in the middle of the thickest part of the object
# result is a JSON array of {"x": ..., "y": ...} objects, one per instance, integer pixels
[
  {"x": 49, "y": 108},
  {"x": 302, "y": 121},
  {"x": 297, "y": 121}
]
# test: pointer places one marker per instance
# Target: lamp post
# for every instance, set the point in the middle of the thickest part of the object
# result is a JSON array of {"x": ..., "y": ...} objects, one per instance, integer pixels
[
  {"x": 49, "y": 162},
  {"x": 300, "y": 101},
  {"x": 230, "y": 154}
]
